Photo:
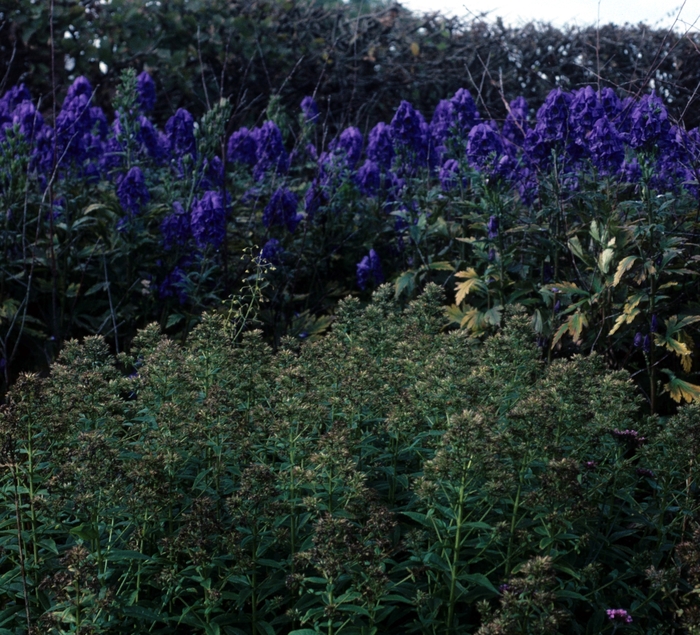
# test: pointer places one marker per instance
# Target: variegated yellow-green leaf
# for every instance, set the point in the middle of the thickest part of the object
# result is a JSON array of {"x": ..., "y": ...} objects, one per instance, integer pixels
[
  {"x": 575, "y": 246},
  {"x": 624, "y": 265},
  {"x": 672, "y": 345},
  {"x": 681, "y": 390},
  {"x": 690, "y": 319},
  {"x": 454, "y": 314},
  {"x": 594, "y": 231},
  {"x": 626, "y": 317},
  {"x": 472, "y": 283},
  {"x": 441, "y": 266},
  {"x": 574, "y": 326},
  {"x": 605, "y": 258}
]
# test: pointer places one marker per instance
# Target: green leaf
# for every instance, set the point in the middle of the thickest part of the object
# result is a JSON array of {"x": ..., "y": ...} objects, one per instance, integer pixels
[
  {"x": 576, "y": 248},
  {"x": 173, "y": 319},
  {"x": 304, "y": 631},
  {"x": 605, "y": 258},
  {"x": 681, "y": 390},
  {"x": 405, "y": 282},
  {"x": 480, "y": 580},
  {"x": 624, "y": 265},
  {"x": 441, "y": 266}
]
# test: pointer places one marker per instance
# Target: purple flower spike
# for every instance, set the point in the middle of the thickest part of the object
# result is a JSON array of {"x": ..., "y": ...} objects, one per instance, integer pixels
[
  {"x": 484, "y": 147},
  {"x": 310, "y": 108},
  {"x": 282, "y": 210},
  {"x": 369, "y": 268},
  {"x": 179, "y": 130},
  {"x": 271, "y": 153},
  {"x": 605, "y": 146},
  {"x": 492, "y": 226},
  {"x": 146, "y": 88},
  {"x": 176, "y": 228},
  {"x": 271, "y": 251},
  {"x": 619, "y": 615},
  {"x": 466, "y": 114},
  {"x": 649, "y": 122},
  {"x": 553, "y": 116},
  {"x": 380, "y": 146},
  {"x": 654, "y": 324},
  {"x": 369, "y": 178},
  {"x": 132, "y": 191},
  {"x": 208, "y": 220},
  {"x": 242, "y": 147}
]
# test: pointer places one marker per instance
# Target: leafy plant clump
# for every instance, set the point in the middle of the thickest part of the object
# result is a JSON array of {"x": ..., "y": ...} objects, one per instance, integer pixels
[{"x": 387, "y": 478}]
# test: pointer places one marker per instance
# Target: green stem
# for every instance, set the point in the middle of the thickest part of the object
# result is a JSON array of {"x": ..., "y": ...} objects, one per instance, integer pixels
[{"x": 455, "y": 556}]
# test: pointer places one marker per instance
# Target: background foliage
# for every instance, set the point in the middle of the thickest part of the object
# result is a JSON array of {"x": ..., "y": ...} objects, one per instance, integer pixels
[{"x": 359, "y": 59}]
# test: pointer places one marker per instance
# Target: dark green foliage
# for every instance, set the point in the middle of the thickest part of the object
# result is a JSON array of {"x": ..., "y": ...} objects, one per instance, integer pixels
[
  {"x": 387, "y": 478},
  {"x": 359, "y": 58}
]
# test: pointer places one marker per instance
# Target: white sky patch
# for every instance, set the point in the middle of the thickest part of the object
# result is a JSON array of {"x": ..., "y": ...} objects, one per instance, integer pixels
[{"x": 655, "y": 13}]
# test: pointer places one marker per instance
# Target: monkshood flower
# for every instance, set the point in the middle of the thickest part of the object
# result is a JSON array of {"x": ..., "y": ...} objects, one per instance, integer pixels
[
  {"x": 611, "y": 103},
  {"x": 515, "y": 124},
  {"x": 176, "y": 227},
  {"x": 606, "y": 147},
  {"x": 631, "y": 171},
  {"x": 310, "y": 108},
  {"x": 619, "y": 615},
  {"x": 449, "y": 174},
  {"x": 13, "y": 98},
  {"x": 270, "y": 152},
  {"x": 492, "y": 227},
  {"x": 553, "y": 116},
  {"x": 154, "y": 142},
  {"x": 537, "y": 150},
  {"x": 173, "y": 284},
  {"x": 179, "y": 130},
  {"x": 654, "y": 323},
  {"x": 484, "y": 147},
  {"x": 584, "y": 111},
  {"x": 380, "y": 146},
  {"x": 132, "y": 191},
  {"x": 465, "y": 112},
  {"x": 369, "y": 269},
  {"x": 80, "y": 128},
  {"x": 649, "y": 123},
  {"x": 212, "y": 174},
  {"x": 242, "y": 147},
  {"x": 28, "y": 118},
  {"x": 638, "y": 339},
  {"x": 271, "y": 251},
  {"x": 282, "y": 210},
  {"x": 646, "y": 344},
  {"x": 368, "y": 178},
  {"x": 208, "y": 220},
  {"x": 410, "y": 133},
  {"x": 315, "y": 197},
  {"x": 348, "y": 146},
  {"x": 442, "y": 123},
  {"x": 146, "y": 89}
]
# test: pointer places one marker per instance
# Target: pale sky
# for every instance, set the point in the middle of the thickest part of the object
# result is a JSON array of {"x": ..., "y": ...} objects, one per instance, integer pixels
[{"x": 659, "y": 13}]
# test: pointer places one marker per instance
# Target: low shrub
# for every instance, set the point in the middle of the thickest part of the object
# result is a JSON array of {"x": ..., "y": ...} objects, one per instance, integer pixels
[{"x": 387, "y": 478}]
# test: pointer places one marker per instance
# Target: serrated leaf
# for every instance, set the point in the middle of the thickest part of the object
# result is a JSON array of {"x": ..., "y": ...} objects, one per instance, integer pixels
[
  {"x": 576, "y": 248},
  {"x": 173, "y": 319},
  {"x": 472, "y": 283},
  {"x": 404, "y": 283},
  {"x": 624, "y": 265},
  {"x": 441, "y": 266},
  {"x": 681, "y": 390},
  {"x": 605, "y": 258}
]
